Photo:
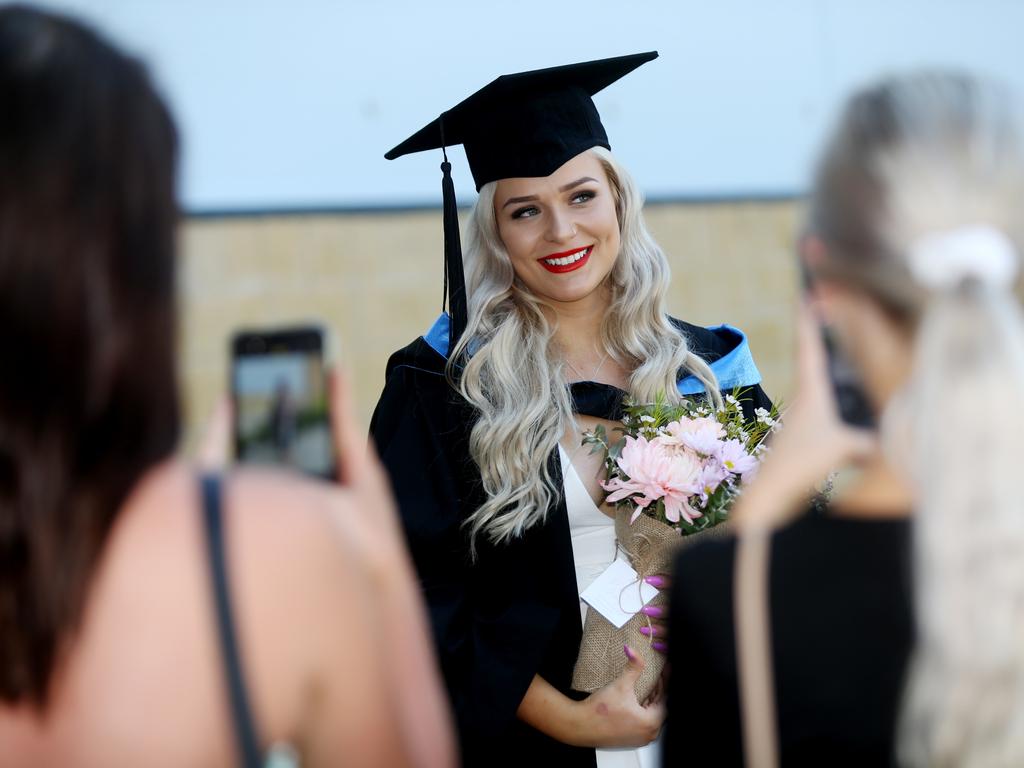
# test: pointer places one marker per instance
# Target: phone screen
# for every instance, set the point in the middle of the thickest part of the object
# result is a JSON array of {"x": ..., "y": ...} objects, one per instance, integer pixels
[{"x": 280, "y": 394}]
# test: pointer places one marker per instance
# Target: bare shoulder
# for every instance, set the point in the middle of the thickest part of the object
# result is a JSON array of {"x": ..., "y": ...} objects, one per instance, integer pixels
[
  {"x": 284, "y": 548},
  {"x": 287, "y": 532},
  {"x": 298, "y": 587},
  {"x": 149, "y": 639},
  {"x": 281, "y": 509},
  {"x": 269, "y": 515}
]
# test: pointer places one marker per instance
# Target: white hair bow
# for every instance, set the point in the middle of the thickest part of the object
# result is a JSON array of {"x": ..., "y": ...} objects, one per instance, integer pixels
[{"x": 942, "y": 260}]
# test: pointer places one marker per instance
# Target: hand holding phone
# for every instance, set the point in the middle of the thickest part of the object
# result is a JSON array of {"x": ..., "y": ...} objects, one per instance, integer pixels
[
  {"x": 851, "y": 402},
  {"x": 814, "y": 439},
  {"x": 280, "y": 400}
]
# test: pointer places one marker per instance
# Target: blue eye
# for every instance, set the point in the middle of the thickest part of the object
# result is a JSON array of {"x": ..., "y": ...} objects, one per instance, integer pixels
[
  {"x": 583, "y": 197},
  {"x": 524, "y": 213}
]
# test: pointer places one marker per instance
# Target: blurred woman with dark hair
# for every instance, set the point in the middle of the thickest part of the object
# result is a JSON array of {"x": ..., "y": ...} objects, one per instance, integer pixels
[{"x": 120, "y": 643}]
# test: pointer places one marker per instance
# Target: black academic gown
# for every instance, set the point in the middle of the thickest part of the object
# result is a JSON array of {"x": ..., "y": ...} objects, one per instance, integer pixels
[{"x": 514, "y": 613}]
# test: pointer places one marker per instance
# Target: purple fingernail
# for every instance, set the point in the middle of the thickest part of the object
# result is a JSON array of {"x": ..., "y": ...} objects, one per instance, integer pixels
[
  {"x": 655, "y": 581},
  {"x": 629, "y": 652},
  {"x": 645, "y": 630},
  {"x": 653, "y": 610},
  {"x": 659, "y": 646}
]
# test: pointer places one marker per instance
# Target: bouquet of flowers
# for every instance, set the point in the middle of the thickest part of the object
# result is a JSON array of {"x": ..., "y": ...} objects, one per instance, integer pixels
[{"x": 673, "y": 474}]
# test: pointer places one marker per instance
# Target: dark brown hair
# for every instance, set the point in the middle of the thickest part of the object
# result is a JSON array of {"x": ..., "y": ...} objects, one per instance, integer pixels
[{"x": 88, "y": 398}]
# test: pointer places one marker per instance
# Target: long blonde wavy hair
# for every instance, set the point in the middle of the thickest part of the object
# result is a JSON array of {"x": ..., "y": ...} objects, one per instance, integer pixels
[
  {"x": 913, "y": 156},
  {"x": 507, "y": 367}
]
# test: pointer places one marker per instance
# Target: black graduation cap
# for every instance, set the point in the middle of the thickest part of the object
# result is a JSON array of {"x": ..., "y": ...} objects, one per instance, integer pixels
[{"x": 526, "y": 124}]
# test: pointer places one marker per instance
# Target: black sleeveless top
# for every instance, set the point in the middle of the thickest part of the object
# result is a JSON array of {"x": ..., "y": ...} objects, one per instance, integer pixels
[
  {"x": 246, "y": 738},
  {"x": 841, "y": 633}
]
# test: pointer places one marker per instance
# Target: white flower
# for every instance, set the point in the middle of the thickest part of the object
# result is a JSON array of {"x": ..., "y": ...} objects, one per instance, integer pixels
[
  {"x": 732, "y": 400},
  {"x": 647, "y": 419}
]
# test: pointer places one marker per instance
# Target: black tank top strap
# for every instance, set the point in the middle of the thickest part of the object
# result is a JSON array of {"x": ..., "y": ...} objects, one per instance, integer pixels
[{"x": 246, "y": 738}]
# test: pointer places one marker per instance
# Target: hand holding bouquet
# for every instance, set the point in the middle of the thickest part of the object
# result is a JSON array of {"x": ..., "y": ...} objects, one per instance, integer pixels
[{"x": 674, "y": 473}]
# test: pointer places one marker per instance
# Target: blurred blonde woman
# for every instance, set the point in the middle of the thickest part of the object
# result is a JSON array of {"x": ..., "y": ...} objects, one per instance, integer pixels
[{"x": 897, "y": 619}]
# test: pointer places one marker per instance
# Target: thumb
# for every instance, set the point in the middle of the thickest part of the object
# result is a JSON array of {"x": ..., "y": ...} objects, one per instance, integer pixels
[
  {"x": 350, "y": 442},
  {"x": 634, "y": 666}
]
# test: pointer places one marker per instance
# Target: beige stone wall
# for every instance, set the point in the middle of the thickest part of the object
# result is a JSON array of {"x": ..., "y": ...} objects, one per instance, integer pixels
[{"x": 374, "y": 280}]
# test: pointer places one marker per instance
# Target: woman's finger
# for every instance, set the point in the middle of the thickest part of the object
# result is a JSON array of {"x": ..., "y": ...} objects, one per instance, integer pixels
[
  {"x": 655, "y": 712},
  {"x": 660, "y": 581},
  {"x": 358, "y": 464},
  {"x": 657, "y": 631},
  {"x": 815, "y": 384},
  {"x": 659, "y": 692},
  {"x": 655, "y": 611},
  {"x": 350, "y": 443},
  {"x": 635, "y": 665}
]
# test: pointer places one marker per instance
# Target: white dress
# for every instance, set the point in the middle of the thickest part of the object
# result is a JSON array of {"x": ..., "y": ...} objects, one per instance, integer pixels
[{"x": 593, "y": 549}]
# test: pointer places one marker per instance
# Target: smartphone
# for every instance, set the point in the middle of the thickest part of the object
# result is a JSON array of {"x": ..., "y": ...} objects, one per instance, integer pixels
[
  {"x": 279, "y": 390},
  {"x": 854, "y": 407}
]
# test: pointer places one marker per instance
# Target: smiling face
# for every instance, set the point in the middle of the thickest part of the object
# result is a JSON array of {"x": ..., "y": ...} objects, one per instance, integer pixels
[{"x": 561, "y": 231}]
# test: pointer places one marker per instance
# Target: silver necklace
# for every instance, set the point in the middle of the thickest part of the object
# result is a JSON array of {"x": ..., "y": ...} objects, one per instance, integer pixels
[{"x": 593, "y": 376}]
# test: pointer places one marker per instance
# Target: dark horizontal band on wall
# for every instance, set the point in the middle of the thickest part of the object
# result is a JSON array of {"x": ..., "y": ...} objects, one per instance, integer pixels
[{"x": 400, "y": 208}]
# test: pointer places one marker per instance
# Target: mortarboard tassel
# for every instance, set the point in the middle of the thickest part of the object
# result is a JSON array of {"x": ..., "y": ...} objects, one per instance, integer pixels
[{"x": 455, "y": 279}]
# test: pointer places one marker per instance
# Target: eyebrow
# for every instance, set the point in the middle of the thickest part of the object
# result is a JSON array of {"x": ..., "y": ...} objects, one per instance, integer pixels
[{"x": 531, "y": 198}]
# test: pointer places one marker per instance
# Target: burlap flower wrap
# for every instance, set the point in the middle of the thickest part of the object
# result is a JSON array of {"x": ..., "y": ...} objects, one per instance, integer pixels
[{"x": 650, "y": 546}]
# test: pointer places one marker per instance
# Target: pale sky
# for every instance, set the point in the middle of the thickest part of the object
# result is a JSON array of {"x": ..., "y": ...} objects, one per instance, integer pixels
[{"x": 292, "y": 104}]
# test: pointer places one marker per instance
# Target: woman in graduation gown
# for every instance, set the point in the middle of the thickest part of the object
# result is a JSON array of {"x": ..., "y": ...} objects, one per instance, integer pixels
[{"x": 481, "y": 418}]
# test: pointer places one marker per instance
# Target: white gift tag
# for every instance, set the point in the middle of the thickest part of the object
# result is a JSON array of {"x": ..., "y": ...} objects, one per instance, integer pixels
[{"x": 617, "y": 594}]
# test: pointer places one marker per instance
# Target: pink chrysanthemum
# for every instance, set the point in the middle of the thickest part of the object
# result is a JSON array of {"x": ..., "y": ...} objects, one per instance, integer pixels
[
  {"x": 656, "y": 472},
  {"x": 702, "y": 434}
]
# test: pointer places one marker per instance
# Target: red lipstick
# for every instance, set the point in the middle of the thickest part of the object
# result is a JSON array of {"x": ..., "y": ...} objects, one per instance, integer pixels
[{"x": 569, "y": 260}]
